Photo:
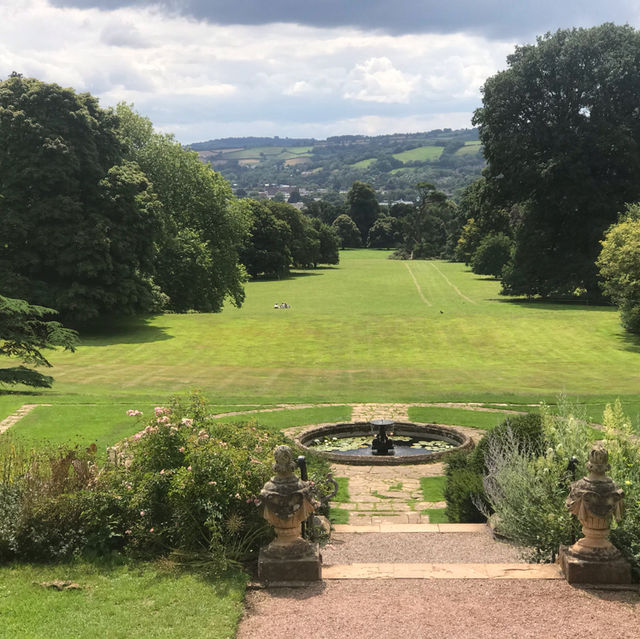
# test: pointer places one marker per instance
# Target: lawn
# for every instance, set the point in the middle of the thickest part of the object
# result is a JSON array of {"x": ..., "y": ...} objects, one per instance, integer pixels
[
  {"x": 456, "y": 416},
  {"x": 278, "y": 420},
  {"x": 119, "y": 601},
  {"x": 420, "y": 154},
  {"x": 370, "y": 329}
]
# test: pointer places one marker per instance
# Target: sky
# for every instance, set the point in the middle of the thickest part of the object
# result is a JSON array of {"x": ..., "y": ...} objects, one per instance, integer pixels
[{"x": 205, "y": 69}]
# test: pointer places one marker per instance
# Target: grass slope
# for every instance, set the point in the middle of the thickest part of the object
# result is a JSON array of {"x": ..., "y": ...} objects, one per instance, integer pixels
[
  {"x": 371, "y": 329},
  {"x": 420, "y": 154}
]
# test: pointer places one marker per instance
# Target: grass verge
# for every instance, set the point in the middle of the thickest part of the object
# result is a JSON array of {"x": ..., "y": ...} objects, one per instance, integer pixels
[
  {"x": 436, "y": 515},
  {"x": 433, "y": 488},
  {"x": 119, "y": 601},
  {"x": 456, "y": 416},
  {"x": 339, "y": 516},
  {"x": 342, "y": 495}
]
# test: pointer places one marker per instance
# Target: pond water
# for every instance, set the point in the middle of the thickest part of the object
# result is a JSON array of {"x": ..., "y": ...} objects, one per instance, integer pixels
[{"x": 361, "y": 445}]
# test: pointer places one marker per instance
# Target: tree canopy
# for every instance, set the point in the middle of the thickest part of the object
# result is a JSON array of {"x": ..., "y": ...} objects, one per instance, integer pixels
[
  {"x": 561, "y": 135},
  {"x": 24, "y": 333},
  {"x": 197, "y": 261},
  {"x": 78, "y": 221},
  {"x": 280, "y": 237},
  {"x": 363, "y": 207}
]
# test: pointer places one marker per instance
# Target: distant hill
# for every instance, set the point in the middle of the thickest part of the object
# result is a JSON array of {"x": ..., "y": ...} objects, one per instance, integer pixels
[{"x": 393, "y": 164}]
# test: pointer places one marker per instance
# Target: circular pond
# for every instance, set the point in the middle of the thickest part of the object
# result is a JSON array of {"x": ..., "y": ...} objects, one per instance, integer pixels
[{"x": 351, "y": 443}]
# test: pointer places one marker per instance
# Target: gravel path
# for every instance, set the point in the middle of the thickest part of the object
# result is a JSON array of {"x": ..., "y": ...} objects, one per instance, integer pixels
[
  {"x": 347, "y": 548},
  {"x": 441, "y": 609}
]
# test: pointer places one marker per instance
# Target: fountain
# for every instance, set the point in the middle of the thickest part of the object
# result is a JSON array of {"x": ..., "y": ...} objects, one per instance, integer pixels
[{"x": 382, "y": 442}]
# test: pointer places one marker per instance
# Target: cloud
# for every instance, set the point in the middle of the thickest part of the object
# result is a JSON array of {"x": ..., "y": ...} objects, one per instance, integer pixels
[
  {"x": 201, "y": 79},
  {"x": 491, "y": 18},
  {"x": 122, "y": 34},
  {"x": 377, "y": 80}
]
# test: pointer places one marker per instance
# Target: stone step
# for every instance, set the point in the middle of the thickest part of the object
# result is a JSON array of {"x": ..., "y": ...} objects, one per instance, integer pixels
[
  {"x": 441, "y": 571},
  {"x": 410, "y": 528}
]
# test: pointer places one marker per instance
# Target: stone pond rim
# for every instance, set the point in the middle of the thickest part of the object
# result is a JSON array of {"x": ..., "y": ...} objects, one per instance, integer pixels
[{"x": 436, "y": 431}]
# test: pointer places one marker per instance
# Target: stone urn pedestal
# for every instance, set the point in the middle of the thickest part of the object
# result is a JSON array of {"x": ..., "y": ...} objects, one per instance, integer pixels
[
  {"x": 286, "y": 501},
  {"x": 595, "y": 500}
]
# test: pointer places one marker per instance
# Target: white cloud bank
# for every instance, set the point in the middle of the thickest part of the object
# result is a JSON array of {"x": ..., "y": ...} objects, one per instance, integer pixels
[{"x": 202, "y": 80}]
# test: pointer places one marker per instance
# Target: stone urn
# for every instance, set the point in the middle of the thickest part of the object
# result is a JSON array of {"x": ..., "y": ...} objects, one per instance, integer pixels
[
  {"x": 595, "y": 500},
  {"x": 286, "y": 502}
]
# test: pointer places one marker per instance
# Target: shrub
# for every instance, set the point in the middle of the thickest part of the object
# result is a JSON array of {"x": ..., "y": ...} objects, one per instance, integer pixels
[
  {"x": 182, "y": 483},
  {"x": 464, "y": 491},
  {"x": 527, "y": 487},
  {"x": 493, "y": 252}
]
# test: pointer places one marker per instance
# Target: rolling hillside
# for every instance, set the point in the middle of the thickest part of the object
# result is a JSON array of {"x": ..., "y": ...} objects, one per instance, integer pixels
[{"x": 393, "y": 164}]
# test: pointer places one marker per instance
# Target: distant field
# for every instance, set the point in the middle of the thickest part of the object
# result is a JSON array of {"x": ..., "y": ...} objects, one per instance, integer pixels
[
  {"x": 363, "y": 164},
  {"x": 370, "y": 329},
  {"x": 469, "y": 149},
  {"x": 421, "y": 154},
  {"x": 298, "y": 160},
  {"x": 257, "y": 152}
]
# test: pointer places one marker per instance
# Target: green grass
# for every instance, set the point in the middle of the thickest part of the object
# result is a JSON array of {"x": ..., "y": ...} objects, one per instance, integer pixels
[
  {"x": 420, "y": 154},
  {"x": 277, "y": 420},
  {"x": 10, "y": 403},
  {"x": 280, "y": 152},
  {"x": 117, "y": 601},
  {"x": 78, "y": 425},
  {"x": 456, "y": 416},
  {"x": 339, "y": 516},
  {"x": 469, "y": 149},
  {"x": 104, "y": 425},
  {"x": 342, "y": 495},
  {"x": 433, "y": 488},
  {"x": 363, "y": 164},
  {"x": 436, "y": 515},
  {"x": 370, "y": 329},
  {"x": 397, "y": 486}
]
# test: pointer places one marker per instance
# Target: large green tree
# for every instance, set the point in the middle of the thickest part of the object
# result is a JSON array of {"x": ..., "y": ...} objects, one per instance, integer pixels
[
  {"x": 266, "y": 251},
  {"x": 430, "y": 229},
  {"x": 78, "y": 221},
  {"x": 25, "y": 332},
  {"x": 204, "y": 227},
  {"x": 362, "y": 206},
  {"x": 561, "y": 135}
]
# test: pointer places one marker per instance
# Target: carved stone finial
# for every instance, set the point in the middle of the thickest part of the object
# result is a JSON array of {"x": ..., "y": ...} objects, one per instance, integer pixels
[
  {"x": 595, "y": 500},
  {"x": 598, "y": 463},
  {"x": 286, "y": 501},
  {"x": 284, "y": 465}
]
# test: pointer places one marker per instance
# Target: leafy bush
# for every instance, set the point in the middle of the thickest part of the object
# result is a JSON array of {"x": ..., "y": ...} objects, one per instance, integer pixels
[
  {"x": 183, "y": 483},
  {"x": 464, "y": 491},
  {"x": 527, "y": 487},
  {"x": 493, "y": 252}
]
